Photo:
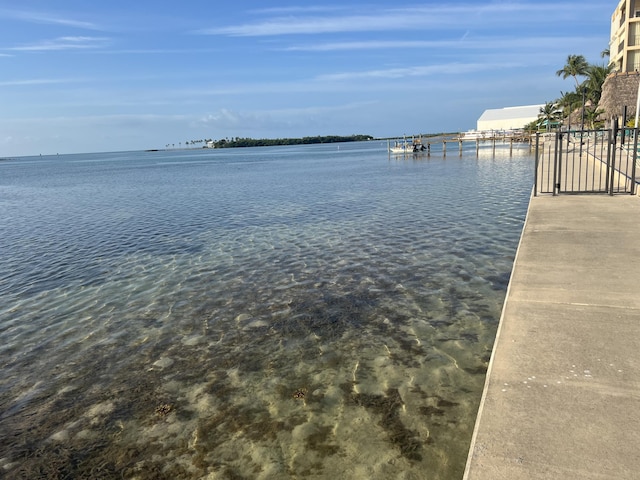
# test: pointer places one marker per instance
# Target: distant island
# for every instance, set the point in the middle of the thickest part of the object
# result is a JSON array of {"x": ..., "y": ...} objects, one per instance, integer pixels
[{"x": 268, "y": 142}]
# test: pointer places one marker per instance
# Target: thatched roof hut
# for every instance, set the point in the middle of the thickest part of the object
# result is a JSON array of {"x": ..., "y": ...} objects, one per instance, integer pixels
[
  {"x": 574, "y": 119},
  {"x": 620, "y": 89}
]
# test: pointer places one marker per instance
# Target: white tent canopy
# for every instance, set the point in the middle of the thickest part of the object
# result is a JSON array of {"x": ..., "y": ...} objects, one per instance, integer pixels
[{"x": 508, "y": 118}]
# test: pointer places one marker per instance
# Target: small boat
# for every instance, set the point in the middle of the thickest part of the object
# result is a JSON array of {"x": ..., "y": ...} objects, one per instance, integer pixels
[
  {"x": 473, "y": 135},
  {"x": 407, "y": 146}
]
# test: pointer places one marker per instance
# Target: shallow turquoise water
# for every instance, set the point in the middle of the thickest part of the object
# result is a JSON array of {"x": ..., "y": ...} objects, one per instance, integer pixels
[{"x": 286, "y": 312}]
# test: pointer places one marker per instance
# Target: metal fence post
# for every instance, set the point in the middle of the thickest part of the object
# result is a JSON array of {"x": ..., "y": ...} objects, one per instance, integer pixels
[
  {"x": 634, "y": 158},
  {"x": 611, "y": 162},
  {"x": 557, "y": 172},
  {"x": 537, "y": 160}
]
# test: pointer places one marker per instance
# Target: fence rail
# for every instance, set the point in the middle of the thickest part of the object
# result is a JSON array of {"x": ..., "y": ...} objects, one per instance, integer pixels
[{"x": 586, "y": 161}]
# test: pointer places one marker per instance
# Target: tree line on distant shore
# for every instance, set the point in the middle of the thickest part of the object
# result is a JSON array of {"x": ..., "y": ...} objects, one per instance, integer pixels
[{"x": 268, "y": 142}]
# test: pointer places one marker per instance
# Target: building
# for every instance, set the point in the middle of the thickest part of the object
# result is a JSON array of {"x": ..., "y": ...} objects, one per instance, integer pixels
[
  {"x": 624, "y": 44},
  {"x": 620, "y": 89},
  {"x": 509, "y": 118}
]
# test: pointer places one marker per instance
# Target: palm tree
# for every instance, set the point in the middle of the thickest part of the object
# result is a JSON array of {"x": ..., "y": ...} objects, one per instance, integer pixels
[
  {"x": 549, "y": 114},
  {"x": 576, "y": 65},
  {"x": 596, "y": 75},
  {"x": 605, "y": 53},
  {"x": 591, "y": 116},
  {"x": 570, "y": 103}
]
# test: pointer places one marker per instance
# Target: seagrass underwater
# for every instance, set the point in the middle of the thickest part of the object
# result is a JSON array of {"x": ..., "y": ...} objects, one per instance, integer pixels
[{"x": 276, "y": 312}]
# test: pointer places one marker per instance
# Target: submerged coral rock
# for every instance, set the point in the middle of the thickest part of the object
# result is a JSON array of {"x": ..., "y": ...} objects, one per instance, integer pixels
[
  {"x": 164, "y": 409},
  {"x": 300, "y": 393}
]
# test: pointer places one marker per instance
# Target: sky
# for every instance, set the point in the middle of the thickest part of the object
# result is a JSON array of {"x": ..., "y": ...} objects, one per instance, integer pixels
[{"x": 91, "y": 76}]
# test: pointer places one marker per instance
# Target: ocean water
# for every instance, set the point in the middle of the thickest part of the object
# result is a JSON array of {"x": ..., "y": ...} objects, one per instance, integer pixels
[{"x": 320, "y": 311}]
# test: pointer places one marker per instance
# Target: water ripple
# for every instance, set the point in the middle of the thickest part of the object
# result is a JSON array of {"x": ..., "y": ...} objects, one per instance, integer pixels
[{"x": 265, "y": 313}]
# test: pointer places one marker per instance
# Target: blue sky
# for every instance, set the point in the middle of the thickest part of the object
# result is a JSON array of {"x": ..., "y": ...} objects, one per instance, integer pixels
[{"x": 86, "y": 76}]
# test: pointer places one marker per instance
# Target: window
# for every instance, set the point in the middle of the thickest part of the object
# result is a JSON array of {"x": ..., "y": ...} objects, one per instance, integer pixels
[
  {"x": 633, "y": 62},
  {"x": 634, "y": 34}
]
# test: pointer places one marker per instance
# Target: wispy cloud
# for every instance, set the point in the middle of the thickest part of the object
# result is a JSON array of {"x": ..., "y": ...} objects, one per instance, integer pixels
[
  {"x": 416, "y": 71},
  {"x": 39, "y": 81},
  {"x": 313, "y": 25},
  {"x": 227, "y": 119},
  {"x": 46, "y": 18},
  {"x": 364, "y": 45},
  {"x": 300, "y": 9},
  {"x": 433, "y": 16},
  {"x": 466, "y": 43},
  {"x": 162, "y": 51},
  {"x": 65, "y": 43},
  {"x": 307, "y": 21}
]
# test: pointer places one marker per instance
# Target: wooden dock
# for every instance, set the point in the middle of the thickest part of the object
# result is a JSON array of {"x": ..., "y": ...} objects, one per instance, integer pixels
[{"x": 488, "y": 141}]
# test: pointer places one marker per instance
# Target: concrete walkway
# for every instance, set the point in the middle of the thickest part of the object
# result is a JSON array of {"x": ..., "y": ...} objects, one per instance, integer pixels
[{"x": 562, "y": 397}]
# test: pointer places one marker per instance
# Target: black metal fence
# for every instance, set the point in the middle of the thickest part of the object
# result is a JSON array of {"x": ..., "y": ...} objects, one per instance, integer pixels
[{"x": 586, "y": 161}]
